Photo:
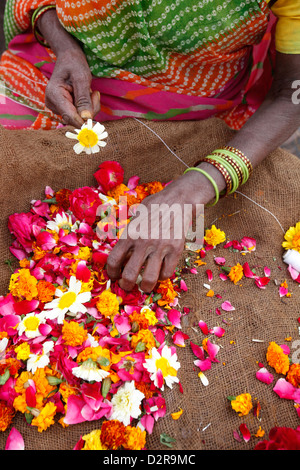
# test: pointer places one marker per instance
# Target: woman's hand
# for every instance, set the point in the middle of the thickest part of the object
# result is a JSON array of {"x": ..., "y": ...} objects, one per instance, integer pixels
[
  {"x": 154, "y": 240},
  {"x": 68, "y": 92}
]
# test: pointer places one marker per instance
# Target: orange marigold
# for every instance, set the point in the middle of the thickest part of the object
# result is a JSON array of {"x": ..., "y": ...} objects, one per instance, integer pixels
[
  {"x": 23, "y": 285},
  {"x": 236, "y": 273},
  {"x": 46, "y": 291},
  {"x": 66, "y": 390},
  {"x": 143, "y": 336},
  {"x": 73, "y": 334},
  {"x": 63, "y": 198},
  {"x": 145, "y": 388},
  {"x": 135, "y": 438},
  {"x": 293, "y": 375},
  {"x": 6, "y": 416},
  {"x": 113, "y": 434},
  {"x": 12, "y": 364},
  {"x": 167, "y": 291},
  {"x": 141, "y": 321},
  {"x": 108, "y": 304},
  {"x": 277, "y": 359},
  {"x": 242, "y": 404}
]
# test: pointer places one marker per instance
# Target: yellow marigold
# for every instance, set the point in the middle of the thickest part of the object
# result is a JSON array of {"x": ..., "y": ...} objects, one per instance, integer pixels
[
  {"x": 6, "y": 416},
  {"x": 45, "y": 417},
  {"x": 293, "y": 375},
  {"x": 214, "y": 236},
  {"x": 93, "y": 441},
  {"x": 143, "y": 336},
  {"x": 46, "y": 291},
  {"x": 292, "y": 238},
  {"x": 66, "y": 391},
  {"x": 73, "y": 334},
  {"x": 23, "y": 285},
  {"x": 260, "y": 432},
  {"x": 277, "y": 359},
  {"x": 135, "y": 438},
  {"x": 23, "y": 351},
  {"x": 95, "y": 354},
  {"x": 236, "y": 273},
  {"x": 108, "y": 304},
  {"x": 242, "y": 404},
  {"x": 149, "y": 315},
  {"x": 167, "y": 291},
  {"x": 38, "y": 253},
  {"x": 84, "y": 253},
  {"x": 24, "y": 263}
]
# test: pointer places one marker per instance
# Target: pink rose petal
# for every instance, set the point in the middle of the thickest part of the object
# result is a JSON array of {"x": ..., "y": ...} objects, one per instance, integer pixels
[
  {"x": 284, "y": 389},
  {"x": 227, "y": 306},
  {"x": 14, "y": 441},
  {"x": 245, "y": 432},
  {"x": 203, "y": 326},
  {"x": 219, "y": 260},
  {"x": 264, "y": 376}
]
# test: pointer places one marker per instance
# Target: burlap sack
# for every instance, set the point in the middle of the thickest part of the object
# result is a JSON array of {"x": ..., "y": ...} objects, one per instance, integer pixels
[{"x": 32, "y": 160}]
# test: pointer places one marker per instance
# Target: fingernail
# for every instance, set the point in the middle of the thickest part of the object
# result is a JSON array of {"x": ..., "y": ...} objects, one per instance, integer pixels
[{"x": 86, "y": 114}]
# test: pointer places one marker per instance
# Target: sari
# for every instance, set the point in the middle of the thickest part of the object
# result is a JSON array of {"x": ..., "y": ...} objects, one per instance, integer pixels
[{"x": 149, "y": 59}]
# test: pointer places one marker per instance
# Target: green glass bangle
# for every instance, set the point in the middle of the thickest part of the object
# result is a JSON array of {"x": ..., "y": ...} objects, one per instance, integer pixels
[
  {"x": 210, "y": 179},
  {"x": 229, "y": 168},
  {"x": 238, "y": 160}
]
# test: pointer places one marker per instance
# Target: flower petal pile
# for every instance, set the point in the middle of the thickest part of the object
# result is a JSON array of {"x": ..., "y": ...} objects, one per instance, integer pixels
[{"x": 74, "y": 346}]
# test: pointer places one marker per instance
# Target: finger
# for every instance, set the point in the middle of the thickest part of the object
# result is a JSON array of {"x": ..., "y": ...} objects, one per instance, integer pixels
[
  {"x": 117, "y": 258},
  {"x": 82, "y": 96},
  {"x": 168, "y": 266},
  {"x": 151, "y": 272},
  {"x": 132, "y": 270},
  {"x": 95, "y": 97},
  {"x": 59, "y": 99}
]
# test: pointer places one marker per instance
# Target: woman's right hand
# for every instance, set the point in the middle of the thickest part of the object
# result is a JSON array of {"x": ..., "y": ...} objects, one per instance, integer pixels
[{"x": 68, "y": 92}]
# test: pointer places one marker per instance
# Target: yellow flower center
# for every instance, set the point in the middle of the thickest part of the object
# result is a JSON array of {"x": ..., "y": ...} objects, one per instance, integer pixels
[
  {"x": 31, "y": 323},
  {"x": 296, "y": 240},
  {"x": 87, "y": 138},
  {"x": 163, "y": 364},
  {"x": 67, "y": 300}
]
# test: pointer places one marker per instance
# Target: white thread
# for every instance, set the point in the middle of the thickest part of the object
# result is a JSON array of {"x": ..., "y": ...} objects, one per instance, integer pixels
[
  {"x": 162, "y": 142},
  {"x": 247, "y": 197}
]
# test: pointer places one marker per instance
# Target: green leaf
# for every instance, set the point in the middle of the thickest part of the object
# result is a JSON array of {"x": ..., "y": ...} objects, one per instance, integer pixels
[
  {"x": 230, "y": 398},
  {"x": 4, "y": 377},
  {"x": 166, "y": 440},
  {"x": 106, "y": 383},
  {"x": 140, "y": 347},
  {"x": 103, "y": 361}
]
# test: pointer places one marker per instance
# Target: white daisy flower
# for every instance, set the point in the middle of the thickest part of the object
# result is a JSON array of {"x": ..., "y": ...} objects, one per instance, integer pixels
[
  {"x": 90, "y": 138},
  {"x": 126, "y": 403},
  {"x": 90, "y": 371},
  {"x": 39, "y": 361},
  {"x": 162, "y": 367},
  {"x": 62, "y": 221},
  {"x": 30, "y": 325},
  {"x": 70, "y": 302}
]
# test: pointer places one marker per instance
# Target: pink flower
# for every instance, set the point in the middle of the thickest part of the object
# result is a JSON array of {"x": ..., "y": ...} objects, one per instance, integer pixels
[
  {"x": 109, "y": 175},
  {"x": 227, "y": 306},
  {"x": 262, "y": 282},
  {"x": 84, "y": 203},
  {"x": 219, "y": 260},
  {"x": 248, "y": 243},
  {"x": 25, "y": 227}
]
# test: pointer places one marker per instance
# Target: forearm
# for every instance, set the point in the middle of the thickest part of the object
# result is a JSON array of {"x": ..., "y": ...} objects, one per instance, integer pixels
[{"x": 55, "y": 35}]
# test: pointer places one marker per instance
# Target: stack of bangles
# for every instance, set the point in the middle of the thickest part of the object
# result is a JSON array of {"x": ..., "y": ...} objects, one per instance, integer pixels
[
  {"x": 234, "y": 166},
  {"x": 34, "y": 19}
]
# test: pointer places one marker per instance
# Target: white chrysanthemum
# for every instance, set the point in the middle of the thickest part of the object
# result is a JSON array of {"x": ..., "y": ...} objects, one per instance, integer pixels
[
  {"x": 39, "y": 361},
  {"x": 62, "y": 221},
  {"x": 162, "y": 367},
  {"x": 292, "y": 257},
  {"x": 89, "y": 137},
  {"x": 90, "y": 371},
  {"x": 126, "y": 403},
  {"x": 70, "y": 302},
  {"x": 30, "y": 324}
]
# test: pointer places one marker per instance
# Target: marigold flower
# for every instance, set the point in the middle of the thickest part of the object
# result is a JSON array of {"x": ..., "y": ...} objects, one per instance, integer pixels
[
  {"x": 11, "y": 364},
  {"x": 214, "y": 236},
  {"x": 108, "y": 304},
  {"x": 6, "y": 416},
  {"x": 46, "y": 291},
  {"x": 242, "y": 404},
  {"x": 92, "y": 441},
  {"x": 236, "y": 273},
  {"x": 84, "y": 254},
  {"x": 260, "y": 432},
  {"x": 145, "y": 388},
  {"x": 73, "y": 334},
  {"x": 139, "y": 319},
  {"x": 167, "y": 291},
  {"x": 94, "y": 353},
  {"x": 292, "y": 238},
  {"x": 23, "y": 285},
  {"x": 63, "y": 198},
  {"x": 277, "y": 359},
  {"x": 293, "y": 375},
  {"x": 66, "y": 391},
  {"x": 45, "y": 417},
  {"x": 113, "y": 434},
  {"x": 143, "y": 336},
  {"x": 135, "y": 438}
]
